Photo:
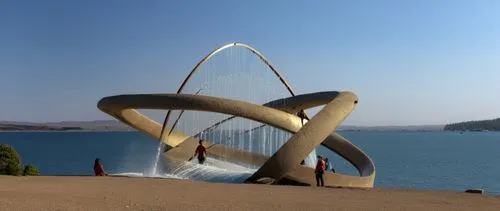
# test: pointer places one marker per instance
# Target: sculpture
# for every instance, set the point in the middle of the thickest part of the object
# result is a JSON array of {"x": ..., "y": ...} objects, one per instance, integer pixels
[{"x": 281, "y": 168}]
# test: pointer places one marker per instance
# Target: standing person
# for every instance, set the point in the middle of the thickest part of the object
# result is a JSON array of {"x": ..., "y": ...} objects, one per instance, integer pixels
[
  {"x": 302, "y": 115},
  {"x": 201, "y": 151},
  {"x": 99, "y": 168},
  {"x": 328, "y": 165},
  {"x": 320, "y": 170}
]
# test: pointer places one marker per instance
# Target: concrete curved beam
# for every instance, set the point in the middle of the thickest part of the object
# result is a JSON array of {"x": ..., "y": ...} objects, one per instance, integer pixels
[
  {"x": 288, "y": 157},
  {"x": 283, "y": 164},
  {"x": 123, "y": 108},
  {"x": 133, "y": 118},
  {"x": 334, "y": 141},
  {"x": 290, "y": 108}
]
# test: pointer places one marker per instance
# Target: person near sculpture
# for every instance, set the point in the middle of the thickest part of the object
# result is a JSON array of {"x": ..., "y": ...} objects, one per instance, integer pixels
[
  {"x": 319, "y": 171},
  {"x": 201, "y": 151},
  {"x": 329, "y": 166},
  {"x": 99, "y": 168}
]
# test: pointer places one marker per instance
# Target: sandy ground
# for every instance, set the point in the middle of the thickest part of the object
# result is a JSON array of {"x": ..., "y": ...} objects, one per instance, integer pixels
[{"x": 121, "y": 193}]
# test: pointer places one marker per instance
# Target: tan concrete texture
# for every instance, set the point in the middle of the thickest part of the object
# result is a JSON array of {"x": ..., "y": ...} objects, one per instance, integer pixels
[{"x": 285, "y": 163}]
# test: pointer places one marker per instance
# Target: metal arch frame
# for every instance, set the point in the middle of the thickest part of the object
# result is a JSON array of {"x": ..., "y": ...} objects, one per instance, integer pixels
[
  {"x": 210, "y": 55},
  {"x": 219, "y": 49}
]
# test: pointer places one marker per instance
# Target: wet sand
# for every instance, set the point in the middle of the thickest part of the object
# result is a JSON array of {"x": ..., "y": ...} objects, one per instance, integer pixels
[{"x": 122, "y": 193}]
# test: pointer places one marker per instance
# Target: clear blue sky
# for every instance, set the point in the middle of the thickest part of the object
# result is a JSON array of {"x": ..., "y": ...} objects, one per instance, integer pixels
[{"x": 409, "y": 62}]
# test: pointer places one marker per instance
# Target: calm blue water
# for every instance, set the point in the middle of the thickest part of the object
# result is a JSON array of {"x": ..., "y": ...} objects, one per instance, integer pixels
[{"x": 426, "y": 160}]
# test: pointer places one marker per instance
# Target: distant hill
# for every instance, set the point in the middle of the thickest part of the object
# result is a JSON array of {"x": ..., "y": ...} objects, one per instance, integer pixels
[
  {"x": 98, "y": 125},
  {"x": 482, "y": 125},
  {"x": 20, "y": 127},
  {"x": 415, "y": 128}
]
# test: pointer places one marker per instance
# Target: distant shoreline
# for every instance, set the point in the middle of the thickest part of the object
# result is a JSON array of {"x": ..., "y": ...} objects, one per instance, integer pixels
[
  {"x": 130, "y": 131},
  {"x": 117, "y": 126},
  {"x": 64, "y": 131},
  {"x": 66, "y": 126}
]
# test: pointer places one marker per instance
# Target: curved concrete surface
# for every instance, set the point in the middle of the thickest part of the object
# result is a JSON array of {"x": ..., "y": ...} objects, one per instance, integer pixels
[
  {"x": 312, "y": 134},
  {"x": 334, "y": 141},
  {"x": 282, "y": 165},
  {"x": 299, "y": 104},
  {"x": 119, "y": 105}
]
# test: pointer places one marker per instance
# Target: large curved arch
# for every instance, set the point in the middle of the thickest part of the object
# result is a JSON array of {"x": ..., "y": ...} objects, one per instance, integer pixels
[
  {"x": 290, "y": 108},
  {"x": 361, "y": 161},
  {"x": 235, "y": 44},
  {"x": 210, "y": 55},
  {"x": 285, "y": 162}
]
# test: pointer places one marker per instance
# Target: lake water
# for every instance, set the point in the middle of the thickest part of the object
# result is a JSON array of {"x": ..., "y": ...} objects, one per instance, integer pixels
[{"x": 422, "y": 160}]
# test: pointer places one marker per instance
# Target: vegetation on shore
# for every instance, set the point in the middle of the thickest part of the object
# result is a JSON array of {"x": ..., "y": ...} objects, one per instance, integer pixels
[
  {"x": 10, "y": 163},
  {"x": 482, "y": 125}
]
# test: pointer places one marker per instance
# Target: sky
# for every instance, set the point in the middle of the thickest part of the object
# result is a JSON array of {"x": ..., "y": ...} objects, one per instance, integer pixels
[{"x": 409, "y": 62}]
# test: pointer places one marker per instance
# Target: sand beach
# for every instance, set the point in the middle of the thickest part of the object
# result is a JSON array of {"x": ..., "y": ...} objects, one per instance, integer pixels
[{"x": 124, "y": 193}]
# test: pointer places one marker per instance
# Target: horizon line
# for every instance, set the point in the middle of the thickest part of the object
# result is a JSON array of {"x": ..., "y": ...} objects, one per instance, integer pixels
[{"x": 114, "y": 120}]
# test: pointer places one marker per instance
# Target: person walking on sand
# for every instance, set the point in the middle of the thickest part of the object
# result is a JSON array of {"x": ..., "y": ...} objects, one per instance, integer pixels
[
  {"x": 201, "y": 151},
  {"x": 99, "y": 168},
  {"x": 320, "y": 170}
]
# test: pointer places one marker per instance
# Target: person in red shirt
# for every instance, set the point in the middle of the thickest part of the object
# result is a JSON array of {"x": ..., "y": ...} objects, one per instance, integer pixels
[
  {"x": 320, "y": 170},
  {"x": 201, "y": 151},
  {"x": 99, "y": 168}
]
